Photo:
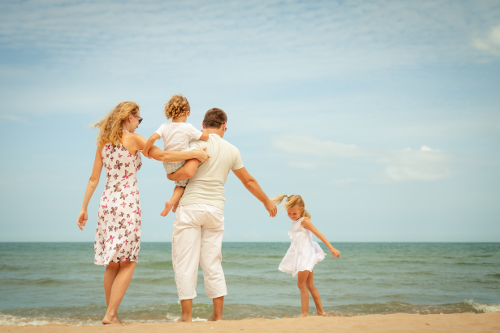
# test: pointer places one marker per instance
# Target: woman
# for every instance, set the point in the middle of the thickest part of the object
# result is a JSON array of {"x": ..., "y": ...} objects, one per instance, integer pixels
[{"x": 118, "y": 232}]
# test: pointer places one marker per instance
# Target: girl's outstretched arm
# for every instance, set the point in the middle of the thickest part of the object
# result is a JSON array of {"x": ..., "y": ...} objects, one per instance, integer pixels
[
  {"x": 306, "y": 223},
  {"x": 91, "y": 186}
]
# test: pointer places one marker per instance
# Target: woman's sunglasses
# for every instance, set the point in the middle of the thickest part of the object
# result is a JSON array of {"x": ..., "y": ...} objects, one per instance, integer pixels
[{"x": 140, "y": 119}]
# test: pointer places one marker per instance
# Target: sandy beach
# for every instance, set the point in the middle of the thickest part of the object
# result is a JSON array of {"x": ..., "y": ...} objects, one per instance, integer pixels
[{"x": 463, "y": 322}]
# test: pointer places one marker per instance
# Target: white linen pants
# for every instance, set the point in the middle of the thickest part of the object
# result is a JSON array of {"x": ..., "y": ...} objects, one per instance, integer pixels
[{"x": 197, "y": 239}]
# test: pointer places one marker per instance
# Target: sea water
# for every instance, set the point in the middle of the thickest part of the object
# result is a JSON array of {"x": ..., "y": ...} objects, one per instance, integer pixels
[{"x": 43, "y": 283}]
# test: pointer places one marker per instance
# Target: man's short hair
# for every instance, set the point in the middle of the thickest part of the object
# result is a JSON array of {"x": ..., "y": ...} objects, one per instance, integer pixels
[{"x": 214, "y": 118}]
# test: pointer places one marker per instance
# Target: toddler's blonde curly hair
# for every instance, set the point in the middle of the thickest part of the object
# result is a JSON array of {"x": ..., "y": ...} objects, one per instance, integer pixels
[{"x": 177, "y": 106}]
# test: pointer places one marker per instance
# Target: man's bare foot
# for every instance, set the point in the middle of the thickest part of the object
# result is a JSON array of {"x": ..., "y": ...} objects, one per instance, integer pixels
[
  {"x": 214, "y": 318},
  {"x": 322, "y": 313},
  {"x": 109, "y": 320},
  {"x": 175, "y": 207},
  {"x": 303, "y": 315},
  {"x": 168, "y": 205},
  {"x": 184, "y": 320}
]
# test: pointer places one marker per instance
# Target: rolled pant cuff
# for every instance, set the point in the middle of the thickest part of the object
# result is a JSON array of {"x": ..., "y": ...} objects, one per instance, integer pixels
[
  {"x": 223, "y": 294},
  {"x": 184, "y": 298}
]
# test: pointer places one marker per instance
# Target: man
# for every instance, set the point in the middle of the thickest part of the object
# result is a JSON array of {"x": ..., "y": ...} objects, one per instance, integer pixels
[{"x": 199, "y": 220}]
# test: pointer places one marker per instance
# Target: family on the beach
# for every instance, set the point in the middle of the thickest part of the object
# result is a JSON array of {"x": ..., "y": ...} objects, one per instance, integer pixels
[{"x": 199, "y": 162}]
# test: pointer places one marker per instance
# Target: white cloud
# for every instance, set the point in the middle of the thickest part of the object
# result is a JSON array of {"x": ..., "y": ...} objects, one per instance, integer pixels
[
  {"x": 302, "y": 144},
  {"x": 490, "y": 44},
  {"x": 423, "y": 164},
  {"x": 12, "y": 117},
  {"x": 400, "y": 165}
]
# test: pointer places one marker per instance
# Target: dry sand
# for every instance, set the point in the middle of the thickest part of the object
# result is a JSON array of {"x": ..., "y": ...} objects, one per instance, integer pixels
[{"x": 462, "y": 322}]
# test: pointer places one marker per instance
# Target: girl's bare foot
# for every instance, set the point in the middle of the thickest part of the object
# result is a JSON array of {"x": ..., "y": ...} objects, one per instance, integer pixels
[
  {"x": 109, "y": 320},
  {"x": 322, "y": 313},
  {"x": 213, "y": 318},
  {"x": 168, "y": 206},
  {"x": 303, "y": 315}
]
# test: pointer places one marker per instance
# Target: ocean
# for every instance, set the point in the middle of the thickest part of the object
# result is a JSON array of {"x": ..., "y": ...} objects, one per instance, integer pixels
[{"x": 43, "y": 283}]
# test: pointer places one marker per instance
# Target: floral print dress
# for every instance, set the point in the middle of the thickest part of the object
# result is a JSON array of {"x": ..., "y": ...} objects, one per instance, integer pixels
[{"x": 118, "y": 233}]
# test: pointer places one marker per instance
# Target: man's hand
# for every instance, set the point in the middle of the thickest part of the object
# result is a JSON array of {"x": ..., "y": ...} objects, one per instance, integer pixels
[
  {"x": 202, "y": 155},
  {"x": 271, "y": 208},
  {"x": 253, "y": 187}
]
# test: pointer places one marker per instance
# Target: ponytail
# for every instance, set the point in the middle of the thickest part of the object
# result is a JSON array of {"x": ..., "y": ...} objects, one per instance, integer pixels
[{"x": 292, "y": 201}]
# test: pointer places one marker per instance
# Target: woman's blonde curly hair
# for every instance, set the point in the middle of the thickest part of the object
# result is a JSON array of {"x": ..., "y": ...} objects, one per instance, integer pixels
[
  {"x": 292, "y": 201},
  {"x": 177, "y": 106},
  {"x": 110, "y": 127}
]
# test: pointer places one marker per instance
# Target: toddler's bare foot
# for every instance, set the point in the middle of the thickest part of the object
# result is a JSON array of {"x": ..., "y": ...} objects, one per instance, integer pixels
[
  {"x": 322, "y": 313},
  {"x": 168, "y": 205},
  {"x": 214, "y": 318},
  {"x": 303, "y": 315},
  {"x": 175, "y": 207},
  {"x": 108, "y": 320}
]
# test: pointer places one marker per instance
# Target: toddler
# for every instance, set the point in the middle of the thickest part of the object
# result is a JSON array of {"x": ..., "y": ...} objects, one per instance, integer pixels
[{"x": 176, "y": 136}]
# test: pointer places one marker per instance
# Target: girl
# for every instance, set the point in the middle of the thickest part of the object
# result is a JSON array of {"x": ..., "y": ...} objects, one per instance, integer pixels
[
  {"x": 118, "y": 233},
  {"x": 303, "y": 253}
]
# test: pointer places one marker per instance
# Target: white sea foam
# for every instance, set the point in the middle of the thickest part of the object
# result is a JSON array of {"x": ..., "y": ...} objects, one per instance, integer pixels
[
  {"x": 9, "y": 320},
  {"x": 483, "y": 307}
]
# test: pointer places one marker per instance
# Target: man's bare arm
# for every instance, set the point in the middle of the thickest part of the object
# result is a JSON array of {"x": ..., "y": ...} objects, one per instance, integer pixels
[
  {"x": 176, "y": 156},
  {"x": 253, "y": 187},
  {"x": 186, "y": 171}
]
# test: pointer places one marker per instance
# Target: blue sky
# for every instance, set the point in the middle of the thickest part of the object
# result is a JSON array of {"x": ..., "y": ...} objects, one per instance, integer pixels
[{"x": 383, "y": 115}]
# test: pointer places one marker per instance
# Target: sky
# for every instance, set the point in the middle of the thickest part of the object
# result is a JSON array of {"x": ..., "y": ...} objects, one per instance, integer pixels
[{"x": 383, "y": 115}]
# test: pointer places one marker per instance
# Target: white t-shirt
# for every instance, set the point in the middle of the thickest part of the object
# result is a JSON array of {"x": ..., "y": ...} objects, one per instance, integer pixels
[
  {"x": 176, "y": 136},
  {"x": 207, "y": 185}
]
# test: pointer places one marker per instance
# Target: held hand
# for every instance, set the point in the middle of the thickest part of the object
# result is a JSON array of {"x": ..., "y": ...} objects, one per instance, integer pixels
[
  {"x": 82, "y": 219},
  {"x": 146, "y": 154},
  {"x": 202, "y": 155},
  {"x": 335, "y": 253},
  {"x": 271, "y": 208}
]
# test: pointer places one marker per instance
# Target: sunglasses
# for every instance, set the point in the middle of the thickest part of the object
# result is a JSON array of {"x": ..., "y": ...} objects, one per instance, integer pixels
[{"x": 140, "y": 119}]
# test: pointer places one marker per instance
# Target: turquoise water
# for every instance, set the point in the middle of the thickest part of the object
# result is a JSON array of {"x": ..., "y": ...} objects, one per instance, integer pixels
[{"x": 58, "y": 282}]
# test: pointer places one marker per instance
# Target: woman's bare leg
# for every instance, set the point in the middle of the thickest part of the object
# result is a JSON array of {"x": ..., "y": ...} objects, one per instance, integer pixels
[
  {"x": 118, "y": 289},
  {"x": 109, "y": 277},
  {"x": 178, "y": 192},
  {"x": 304, "y": 293},
  {"x": 315, "y": 294}
]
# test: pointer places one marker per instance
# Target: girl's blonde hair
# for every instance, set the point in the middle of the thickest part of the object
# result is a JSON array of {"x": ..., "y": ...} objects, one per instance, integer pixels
[
  {"x": 177, "y": 106},
  {"x": 292, "y": 201},
  {"x": 110, "y": 127}
]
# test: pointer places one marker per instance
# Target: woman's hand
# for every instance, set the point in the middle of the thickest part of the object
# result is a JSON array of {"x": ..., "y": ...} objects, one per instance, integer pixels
[
  {"x": 82, "y": 219},
  {"x": 335, "y": 253},
  {"x": 201, "y": 155}
]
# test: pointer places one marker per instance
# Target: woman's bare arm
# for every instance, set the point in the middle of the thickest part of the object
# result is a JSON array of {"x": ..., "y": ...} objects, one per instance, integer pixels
[
  {"x": 91, "y": 186},
  {"x": 139, "y": 142}
]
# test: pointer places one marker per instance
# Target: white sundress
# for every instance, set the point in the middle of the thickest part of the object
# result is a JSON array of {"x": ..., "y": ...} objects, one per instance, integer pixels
[{"x": 303, "y": 253}]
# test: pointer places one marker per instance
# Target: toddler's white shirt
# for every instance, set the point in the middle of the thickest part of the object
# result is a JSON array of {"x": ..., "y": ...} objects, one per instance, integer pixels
[{"x": 176, "y": 136}]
